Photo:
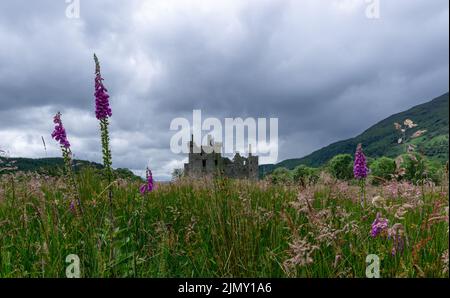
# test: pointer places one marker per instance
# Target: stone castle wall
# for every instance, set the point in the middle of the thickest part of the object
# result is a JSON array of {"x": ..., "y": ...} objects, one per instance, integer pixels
[{"x": 209, "y": 162}]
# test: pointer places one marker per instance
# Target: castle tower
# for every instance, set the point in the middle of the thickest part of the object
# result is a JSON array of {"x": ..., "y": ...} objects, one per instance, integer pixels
[{"x": 208, "y": 161}]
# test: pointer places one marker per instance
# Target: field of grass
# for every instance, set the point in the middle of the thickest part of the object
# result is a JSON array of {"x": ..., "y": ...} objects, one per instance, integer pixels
[{"x": 219, "y": 228}]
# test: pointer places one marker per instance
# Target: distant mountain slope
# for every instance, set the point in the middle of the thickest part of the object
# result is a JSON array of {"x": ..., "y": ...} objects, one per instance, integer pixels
[
  {"x": 52, "y": 165},
  {"x": 381, "y": 139}
]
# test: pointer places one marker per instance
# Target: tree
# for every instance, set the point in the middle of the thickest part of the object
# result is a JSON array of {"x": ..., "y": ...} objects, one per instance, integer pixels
[
  {"x": 6, "y": 164},
  {"x": 418, "y": 168},
  {"x": 304, "y": 175},
  {"x": 383, "y": 167},
  {"x": 280, "y": 176},
  {"x": 341, "y": 166}
]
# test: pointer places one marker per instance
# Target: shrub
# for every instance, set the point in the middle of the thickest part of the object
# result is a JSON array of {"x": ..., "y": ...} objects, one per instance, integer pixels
[
  {"x": 341, "y": 166},
  {"x": 418, "y": 169},
  {"x": 280, "y": 176},
  {"x": 435, "y": 171},
  {"x": 305, "y": 175},
  {"x": 383, "y": 167}
]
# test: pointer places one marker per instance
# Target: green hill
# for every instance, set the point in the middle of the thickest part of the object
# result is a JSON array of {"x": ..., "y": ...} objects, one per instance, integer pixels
[
  {"x": 381, "y": 139},
  {"x": 52, "y": 166}
]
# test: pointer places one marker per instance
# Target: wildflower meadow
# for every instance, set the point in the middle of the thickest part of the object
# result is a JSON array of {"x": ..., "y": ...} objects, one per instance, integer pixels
[{"x": 309, "y": 223}]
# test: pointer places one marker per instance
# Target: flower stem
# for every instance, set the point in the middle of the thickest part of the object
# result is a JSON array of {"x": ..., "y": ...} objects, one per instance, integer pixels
[
  {"x": 68, "y": 165},
  {"x": 107, "y": 160}
]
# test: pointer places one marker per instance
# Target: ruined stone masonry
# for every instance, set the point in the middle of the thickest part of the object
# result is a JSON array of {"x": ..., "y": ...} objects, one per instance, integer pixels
[{"x": 209, "y": 162}]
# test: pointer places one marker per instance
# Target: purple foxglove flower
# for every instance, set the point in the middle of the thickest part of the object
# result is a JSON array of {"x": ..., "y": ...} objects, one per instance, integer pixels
[
  {"x": 72, "y": 207},
  {"x": 102, "y": 109},
  {"x": 148, "y": 186},
  {"x": 379, "y": 225},
  {"x": 59, "y": 133},
  {"x": 360, "y": 169}
]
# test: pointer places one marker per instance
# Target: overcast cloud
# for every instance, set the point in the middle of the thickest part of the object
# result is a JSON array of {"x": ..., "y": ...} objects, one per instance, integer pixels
[{"x": 322, "y": 67}]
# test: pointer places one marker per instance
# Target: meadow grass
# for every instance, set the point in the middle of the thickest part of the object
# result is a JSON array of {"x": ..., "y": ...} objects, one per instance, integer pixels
[{"x": 217, "y": 228}]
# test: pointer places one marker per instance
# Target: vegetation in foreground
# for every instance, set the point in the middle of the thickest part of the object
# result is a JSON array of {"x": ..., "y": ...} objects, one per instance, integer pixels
[
  {"x": 221, "y": 228},
  {"x": 316, "y": 227}
]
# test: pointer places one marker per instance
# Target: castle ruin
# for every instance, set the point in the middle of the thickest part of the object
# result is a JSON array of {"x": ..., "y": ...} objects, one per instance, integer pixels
[{"x": 209, "y": 162}]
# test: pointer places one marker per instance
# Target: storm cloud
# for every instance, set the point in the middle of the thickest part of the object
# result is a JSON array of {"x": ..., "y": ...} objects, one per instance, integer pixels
[{"x": 322, "y": 67}]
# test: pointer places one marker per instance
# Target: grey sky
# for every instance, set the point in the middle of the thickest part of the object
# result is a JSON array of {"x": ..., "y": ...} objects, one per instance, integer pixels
[{"x": 321, "y": 66}]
